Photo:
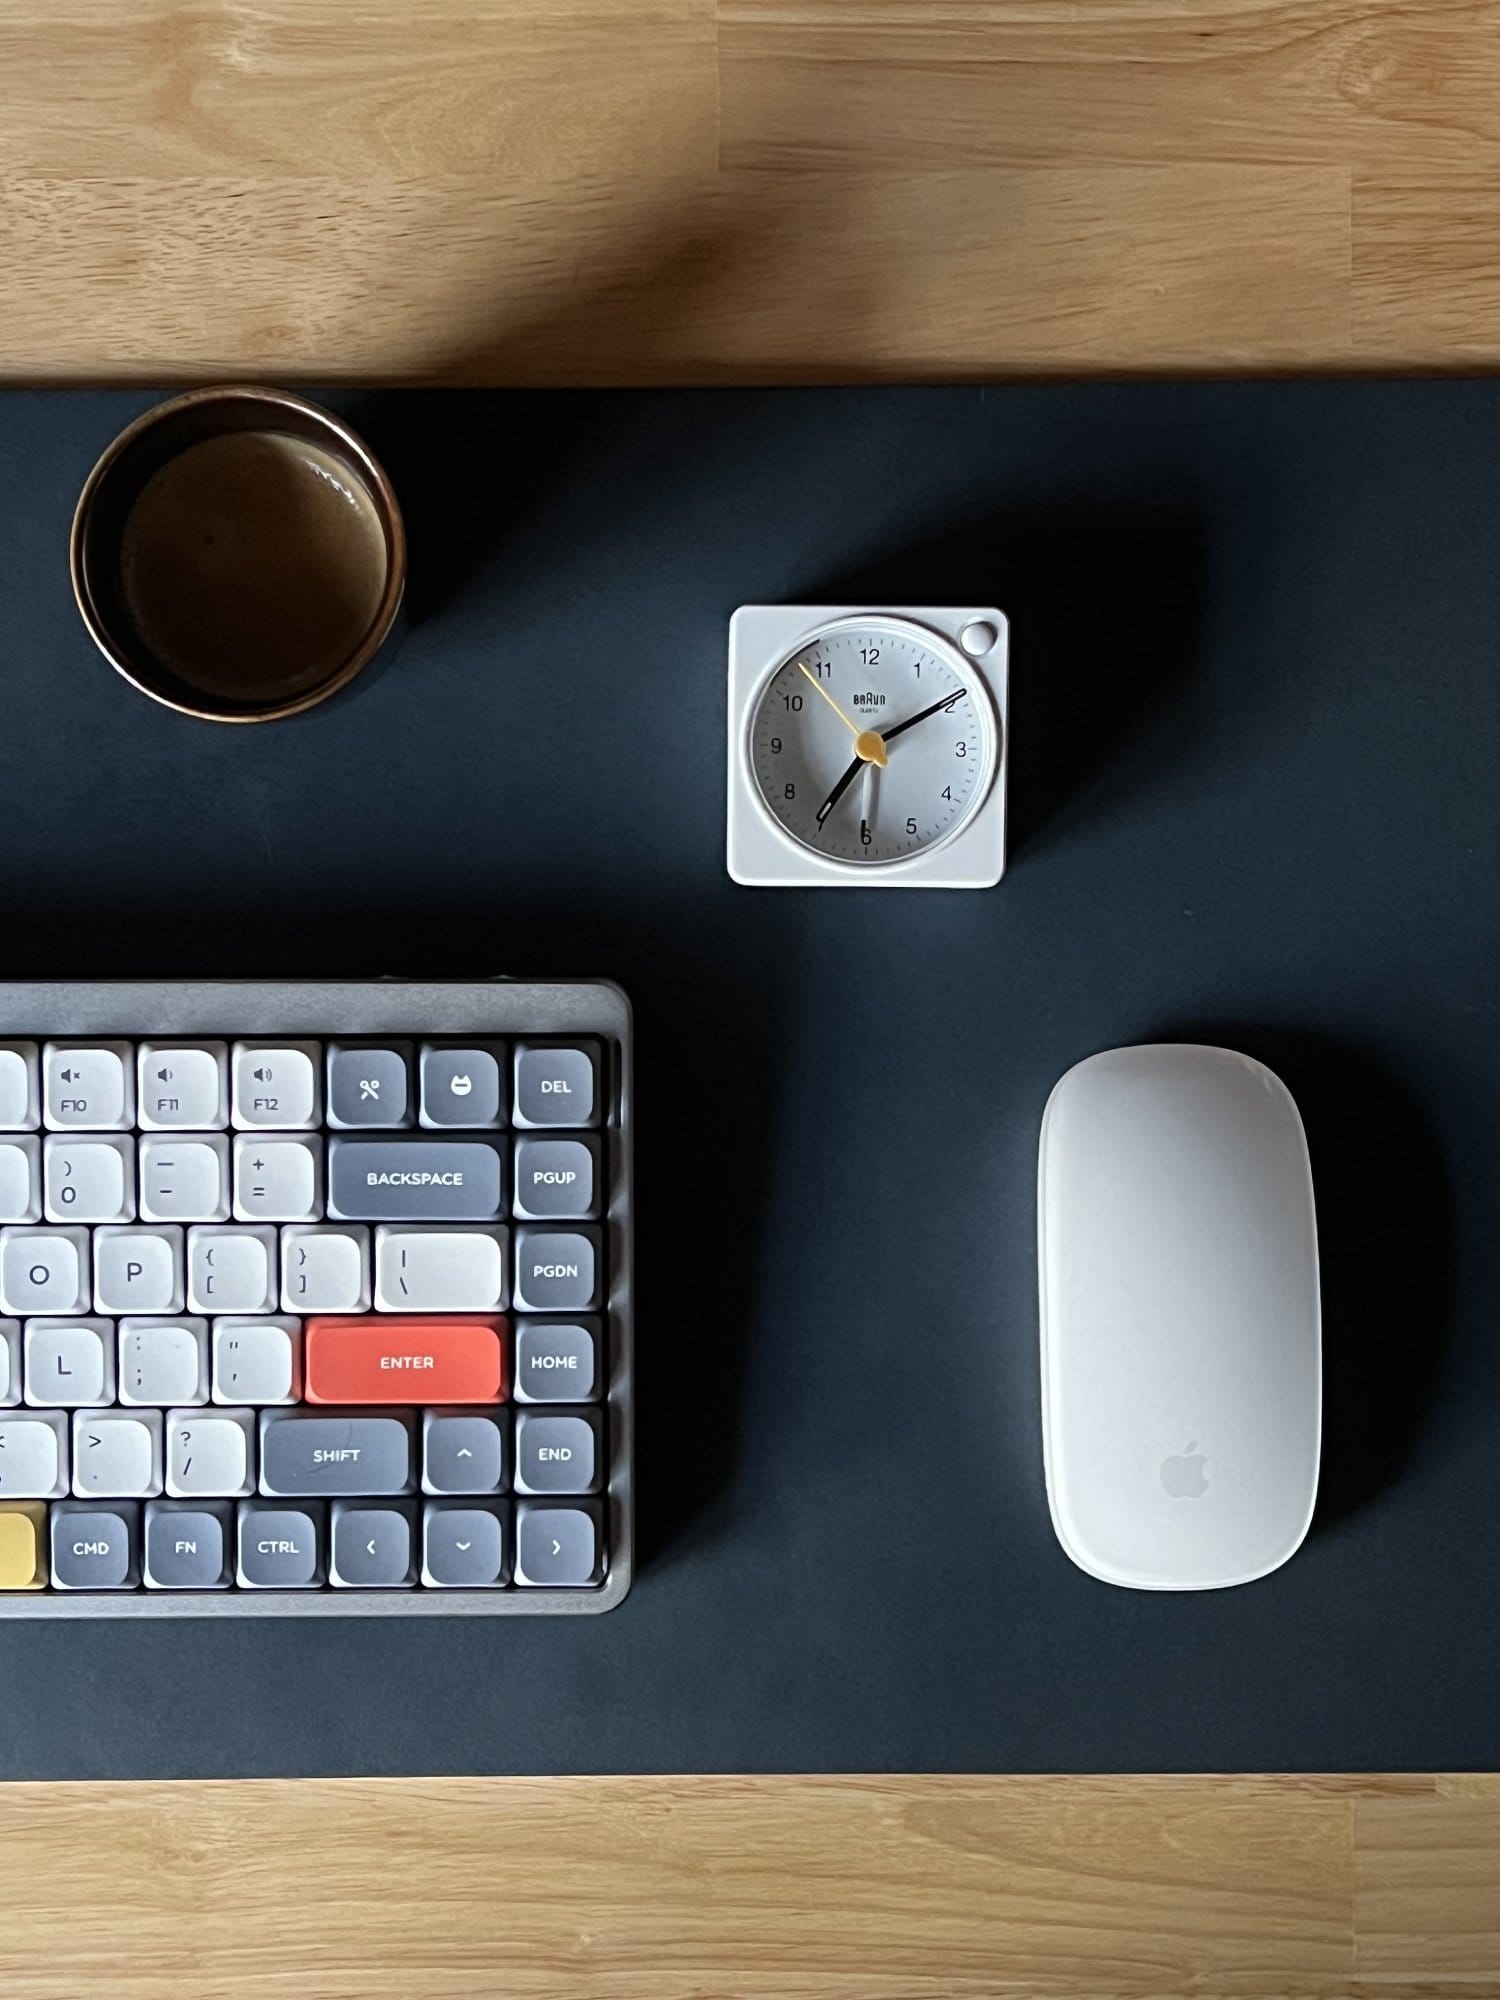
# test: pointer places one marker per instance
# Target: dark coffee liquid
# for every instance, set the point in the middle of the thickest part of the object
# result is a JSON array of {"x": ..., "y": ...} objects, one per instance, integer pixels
[{"x": 253, "y": 565}]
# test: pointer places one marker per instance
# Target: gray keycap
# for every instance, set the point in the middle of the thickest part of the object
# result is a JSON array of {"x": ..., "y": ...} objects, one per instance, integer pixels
[
  {"x": 558, "y": 1546},
  {"x": 279, "y": 1547},
  {"x": 462, "y": 1452},
  {"x": 557, "y": 1179},
  {"x": 557, "y": 1361},
  {"x": 318, "y": 1455},
  {"x": 460, "y": 1086},
  {"x": 413, "y": 1180},
  {"x": 368, "y": 1086},
  {"x": 556, "y": 1086},
  {"x": 463, "y": 1548},
  {"x": 94, "y": 1547},
  {"x": 187, "y": 1548},
  {"x": 557, "y": 1454},
  {"x": 370, "y": 1547},
  {"x": 556, "y": 1270}
]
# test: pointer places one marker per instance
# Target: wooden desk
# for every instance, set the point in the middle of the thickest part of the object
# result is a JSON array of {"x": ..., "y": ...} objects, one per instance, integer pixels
[
  {"x": 789, "y": 1889},
  {"x": 688, "y": 190}
]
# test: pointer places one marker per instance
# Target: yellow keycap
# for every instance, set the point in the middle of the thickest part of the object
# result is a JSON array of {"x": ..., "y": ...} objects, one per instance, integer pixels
[{"x": 23, "y": 1545}]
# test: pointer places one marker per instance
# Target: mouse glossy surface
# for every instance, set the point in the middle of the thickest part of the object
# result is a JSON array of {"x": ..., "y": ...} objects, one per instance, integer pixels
[{"x": 1181, "y": 1342}]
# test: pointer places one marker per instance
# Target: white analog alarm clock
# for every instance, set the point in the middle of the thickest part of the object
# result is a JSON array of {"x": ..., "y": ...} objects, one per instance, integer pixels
[{"x": 867, "y": 747}]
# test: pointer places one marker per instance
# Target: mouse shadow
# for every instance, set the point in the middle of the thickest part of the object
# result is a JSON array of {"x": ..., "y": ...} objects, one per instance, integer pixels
[
  {"x": 1106, "y": 605},
  {"x": 1387, "y": 1246}
]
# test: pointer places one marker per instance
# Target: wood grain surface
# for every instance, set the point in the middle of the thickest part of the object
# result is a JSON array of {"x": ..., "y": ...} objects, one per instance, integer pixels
[
  {"x": 774, "y": 1889},
  {"x": 710, "y": 190}
]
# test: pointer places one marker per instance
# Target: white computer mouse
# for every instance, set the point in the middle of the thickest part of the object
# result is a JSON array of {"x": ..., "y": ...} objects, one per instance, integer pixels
[{"x": 1182, "y": 1377}]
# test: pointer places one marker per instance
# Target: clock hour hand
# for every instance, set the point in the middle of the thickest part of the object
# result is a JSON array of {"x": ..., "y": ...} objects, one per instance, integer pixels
[
  {"x": 839, "y": 789},
  {"x": 886, "y": 735}
]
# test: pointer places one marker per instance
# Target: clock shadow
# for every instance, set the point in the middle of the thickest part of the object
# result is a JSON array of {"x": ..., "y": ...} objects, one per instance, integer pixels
[
  {"x": 1388, "y": 1253},
  {"x": 1106, "y": 605}
]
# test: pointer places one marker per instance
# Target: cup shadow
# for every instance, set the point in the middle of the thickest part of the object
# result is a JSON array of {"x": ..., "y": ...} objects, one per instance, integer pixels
[
  {"x": 1106, "y": 610},
  {"x": 1387, "y": 1249}
]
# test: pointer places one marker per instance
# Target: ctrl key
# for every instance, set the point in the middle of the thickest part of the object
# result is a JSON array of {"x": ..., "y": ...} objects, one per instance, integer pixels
[
  {"x": 23, "y": 1545},
  {"x": 280, "y": 1547}
]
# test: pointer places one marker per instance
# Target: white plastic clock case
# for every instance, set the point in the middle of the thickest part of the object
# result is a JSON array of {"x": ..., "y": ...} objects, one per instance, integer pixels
[{"x": 761, "y": 854}]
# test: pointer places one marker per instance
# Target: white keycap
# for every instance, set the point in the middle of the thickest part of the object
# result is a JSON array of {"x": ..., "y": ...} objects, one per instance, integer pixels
[
  {"x": 183, "y": 1087},
  {"x": 115, "y": 1456},
  {"x": 89, "y": 1180},
  {"x": 34, "y": 1456},
  {"x": 69, "y": 1363},
  {"x": 185, "y": 1179},
  {"x": 138, "y": 1270},
  {"x": 164, "y": 1361},
  {"x": 210, "y": 1454},
  {"x": 257, "y": 1360},
  {"x": 20, "y": 1178},
  {"x": 232, "y": 1270},
  {"x": 44, "y": 1271},
  {"x": 88, "y": 1087},
  {"x": 10, "y": 1363},
  {"x": 277, "y": 1086},
  {"x": 19, "y": 1097},
  {"x": 19, "y": 1107},
  {"x": 439, "y": 1270},
  {"x": 325, "y": 1268},
  {"x": 277, "y": 1180}
]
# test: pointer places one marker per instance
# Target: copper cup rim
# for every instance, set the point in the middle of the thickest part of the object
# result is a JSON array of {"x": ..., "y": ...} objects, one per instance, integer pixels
[{"x": 371, "y": 471}]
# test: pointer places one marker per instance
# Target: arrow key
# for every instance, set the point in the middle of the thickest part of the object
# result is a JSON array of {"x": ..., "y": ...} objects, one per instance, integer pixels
[
  {"x": 464, "y": 1545},
  {"x": 559, "y": 1547},
  {"x": 463, "y": 1452},
  {"x": 371, "y": 1547}
]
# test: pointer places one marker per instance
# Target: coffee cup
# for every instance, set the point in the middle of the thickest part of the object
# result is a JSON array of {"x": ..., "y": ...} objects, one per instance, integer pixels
[{"x": 238, "y": 554}]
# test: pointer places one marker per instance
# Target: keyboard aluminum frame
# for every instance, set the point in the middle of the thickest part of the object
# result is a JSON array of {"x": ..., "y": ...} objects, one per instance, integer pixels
[{"x": 329, "y": 1010}]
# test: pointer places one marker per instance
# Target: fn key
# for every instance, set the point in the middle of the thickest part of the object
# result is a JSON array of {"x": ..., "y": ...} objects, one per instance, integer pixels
[{"x": 558, "y": 1547}]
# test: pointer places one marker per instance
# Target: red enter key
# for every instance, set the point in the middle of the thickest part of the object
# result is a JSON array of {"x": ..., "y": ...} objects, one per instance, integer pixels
[{"x": 389, "y": 1358}]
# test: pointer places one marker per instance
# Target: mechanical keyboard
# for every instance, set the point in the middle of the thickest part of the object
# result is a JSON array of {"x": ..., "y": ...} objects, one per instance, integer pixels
[{"x": 314, "y": 1298}]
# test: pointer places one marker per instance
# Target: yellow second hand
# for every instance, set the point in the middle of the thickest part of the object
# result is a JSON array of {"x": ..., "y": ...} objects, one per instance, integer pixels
[{"x": 868, "y": 743}]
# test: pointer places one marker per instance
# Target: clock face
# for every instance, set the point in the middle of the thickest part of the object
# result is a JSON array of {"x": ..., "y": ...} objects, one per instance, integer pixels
[{"x": 872, "y": 742}]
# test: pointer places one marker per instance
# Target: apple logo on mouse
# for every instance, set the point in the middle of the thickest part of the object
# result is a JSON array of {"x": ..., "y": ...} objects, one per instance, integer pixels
[{"x": 1182, "y": 1475}]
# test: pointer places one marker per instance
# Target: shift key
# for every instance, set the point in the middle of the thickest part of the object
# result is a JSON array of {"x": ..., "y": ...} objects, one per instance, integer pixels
[
  {"x": 396, "y": 1179},
  {"x": 308, "y": 1457}
]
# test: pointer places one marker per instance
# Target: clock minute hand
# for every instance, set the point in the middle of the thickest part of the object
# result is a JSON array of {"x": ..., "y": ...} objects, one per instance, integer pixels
[
  {"x": 886, "y": 736},
  {"x": 912, "y": 720}
]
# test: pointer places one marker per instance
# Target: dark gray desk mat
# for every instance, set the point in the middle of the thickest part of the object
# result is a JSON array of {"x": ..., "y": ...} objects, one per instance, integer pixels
[{"x": 1256, "y": 732}]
